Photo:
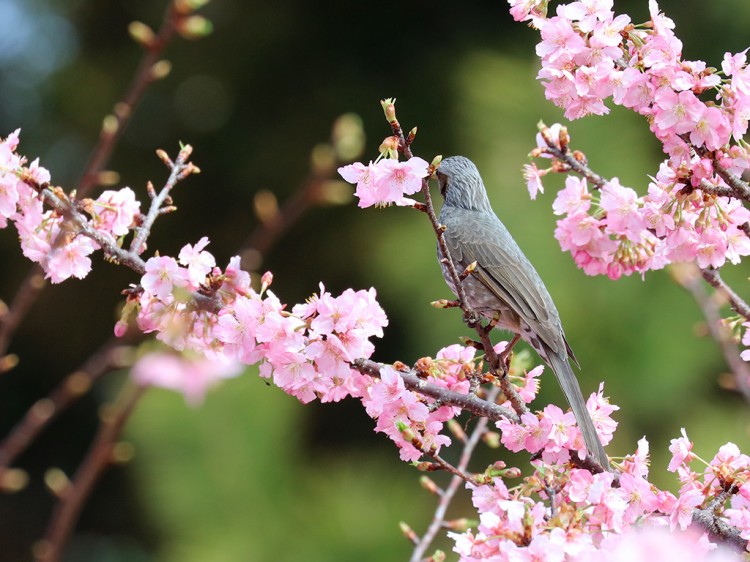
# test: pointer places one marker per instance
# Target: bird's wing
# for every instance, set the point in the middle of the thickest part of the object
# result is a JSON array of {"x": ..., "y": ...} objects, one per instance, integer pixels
[{"x": 504, "y": 269}]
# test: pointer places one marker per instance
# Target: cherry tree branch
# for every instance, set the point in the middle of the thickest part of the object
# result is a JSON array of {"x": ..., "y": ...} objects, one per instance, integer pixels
[
  {"x": 469, "y": 402},
  {"x": 719, "y": 530},
  {"x": 22, "y": 302},
  {"x": 100, "y": 455},
  {"x": 180, "y": 169},
  {"x": 689, "y": 278},
  {"x": 113, "y": 127},
  {"x": 317, "y": 189},
  {"x": 713, "y": 278},
  {"x": 568, "y": 160},
  {"x": 738, "y": 188}
]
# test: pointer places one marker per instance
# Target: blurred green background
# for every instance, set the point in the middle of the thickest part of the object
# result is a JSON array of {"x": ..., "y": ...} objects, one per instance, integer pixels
[{"x": 253, "y": 475}]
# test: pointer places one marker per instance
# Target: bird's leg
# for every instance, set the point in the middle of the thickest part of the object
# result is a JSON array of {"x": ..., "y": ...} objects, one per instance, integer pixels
[
  {"x": 505, "y": 355},
  {"x": 471, "y": 317}
]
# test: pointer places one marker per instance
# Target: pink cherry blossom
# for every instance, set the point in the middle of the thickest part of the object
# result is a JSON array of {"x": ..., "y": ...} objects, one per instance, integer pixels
[
  {"x": 681, "y": 450},
  {"x": 199, "y": 262},
  {"x": 70, "y": 260},
  {"x": 115, "y": 211},
  {"x": 190, "y": 375},
  {"x": 162, "y": 275}
]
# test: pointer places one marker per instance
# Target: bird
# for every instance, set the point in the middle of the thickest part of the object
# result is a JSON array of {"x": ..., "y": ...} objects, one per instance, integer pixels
[{"x": 503, "y": 285}]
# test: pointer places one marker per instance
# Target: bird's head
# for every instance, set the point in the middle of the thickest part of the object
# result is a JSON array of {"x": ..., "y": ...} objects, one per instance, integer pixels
[{"x": 461, "y": 185}]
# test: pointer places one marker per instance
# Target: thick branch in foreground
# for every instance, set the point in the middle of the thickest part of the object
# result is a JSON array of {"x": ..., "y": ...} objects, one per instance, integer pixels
[
  {"x": 468, "y": 402},
  {"x": 718, "y": 530}
]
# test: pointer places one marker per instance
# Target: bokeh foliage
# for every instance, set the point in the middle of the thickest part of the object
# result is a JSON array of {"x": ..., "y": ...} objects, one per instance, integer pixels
[{"x": 253, "y": 475}]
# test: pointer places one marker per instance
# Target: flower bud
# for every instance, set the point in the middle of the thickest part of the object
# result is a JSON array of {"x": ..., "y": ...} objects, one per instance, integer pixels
[
  {"x": 8, "y": 362},
  {"x": 389, "y": 108},
  {"x": 429, "y": 484},
  {"x": 161, "y": 70},
  {"x": 13, "y": 480},
  {"x": 491, "y": 439},
  {"x": 187, "y": 6},
  {"x": 266, "y": 280},
  {"x": 142, "y": 34},
  {"x": 57, "y": 481},
  {"x": 389, "y": 147},
  {"x": 408, "y": 532},
  {"x": 435, "y": 163},
  {"x": 348, "y": 137},
  {"x": 194, "y": 27}
]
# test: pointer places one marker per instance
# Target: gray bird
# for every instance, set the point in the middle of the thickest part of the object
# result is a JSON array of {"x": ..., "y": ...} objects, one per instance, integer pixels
[{"x": 505, "y": 283}]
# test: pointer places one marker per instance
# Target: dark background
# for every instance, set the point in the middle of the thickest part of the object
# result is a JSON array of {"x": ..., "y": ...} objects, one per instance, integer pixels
[{"x": 253, "y": 475}]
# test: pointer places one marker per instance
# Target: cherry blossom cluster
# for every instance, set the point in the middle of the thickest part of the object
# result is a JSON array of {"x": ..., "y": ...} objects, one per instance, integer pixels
[
  {"x": 590, "y": 55},
  {"x": 553, "y": 434},
  {"x": 45, "y": 236},
  {"x": 386, "y": 180},
  {"x": 306, "y": 352},
  {"x": 610, "y": 230},
  {"x": 561, "y": 513}
]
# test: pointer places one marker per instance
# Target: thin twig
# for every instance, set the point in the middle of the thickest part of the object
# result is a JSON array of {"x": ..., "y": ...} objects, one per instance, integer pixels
[
  {"x": 739, "y": 188},
  {"x": 110, "y": 356},
  {"x": 24, "y": 299},
  {"x": 691, "y": 281},
  {"x": 736, "y": 302},
  {"x": 125, "y": 108},
  {"x": 178, "y": 170},
  {"x": 65, "y": 514},
  {"x": 456, "y": 482},
  {"x": 578, "y": 166}
]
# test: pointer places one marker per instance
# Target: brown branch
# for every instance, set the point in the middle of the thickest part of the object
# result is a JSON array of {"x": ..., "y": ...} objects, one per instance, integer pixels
[
  {"x": 718, "y": 530},
  {"x": 125, "y": 108},
  {"x": 66, "y": 512},
  {"x": 689, "y": 278},
  {"x": 110, "y": 356},
  {"x": 468, "y": 402},
  {"x": 24, "y": 299},
  {"x": 578, "y": 166},
  {"x": 456, "y": 482},
  {"x": 717, "y": 190},
  {"x": 736, "y": 302},
  {"x": 178, "y": 170},
  {"x": 268, "y": 233},
  {"x": 737, "y": 188}
]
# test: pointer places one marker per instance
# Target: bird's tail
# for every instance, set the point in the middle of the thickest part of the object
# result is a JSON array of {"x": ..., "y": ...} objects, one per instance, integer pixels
[{"x": 571, "y": 389}]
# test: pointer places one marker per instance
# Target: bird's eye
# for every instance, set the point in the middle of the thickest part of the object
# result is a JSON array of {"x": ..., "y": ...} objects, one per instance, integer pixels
[{"x": 442, "y": 183}]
